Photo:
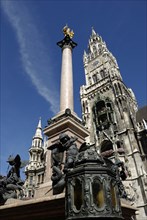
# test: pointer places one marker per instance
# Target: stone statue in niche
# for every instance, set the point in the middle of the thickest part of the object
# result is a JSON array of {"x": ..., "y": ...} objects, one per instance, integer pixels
[
  {"x": 11, "y": 185},
  {"x": 63, "y": 154}
]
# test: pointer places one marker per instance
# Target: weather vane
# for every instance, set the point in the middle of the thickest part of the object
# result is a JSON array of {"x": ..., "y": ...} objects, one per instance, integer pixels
[{"x": 66, "y": 31}]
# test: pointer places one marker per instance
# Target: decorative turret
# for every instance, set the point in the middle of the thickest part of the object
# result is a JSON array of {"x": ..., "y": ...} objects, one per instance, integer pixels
[
  {"x": 35, "y": 169},
  {"x": 38, "y": 139},
  {"x": 36, "y": 149}
]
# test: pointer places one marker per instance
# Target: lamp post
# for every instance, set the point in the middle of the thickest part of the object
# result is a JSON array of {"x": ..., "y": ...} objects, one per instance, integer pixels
[{"x": 91, "y": 187}]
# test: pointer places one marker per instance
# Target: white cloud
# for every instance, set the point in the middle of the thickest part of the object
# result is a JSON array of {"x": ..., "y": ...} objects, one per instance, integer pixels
[{"x": 34, "y": 56}]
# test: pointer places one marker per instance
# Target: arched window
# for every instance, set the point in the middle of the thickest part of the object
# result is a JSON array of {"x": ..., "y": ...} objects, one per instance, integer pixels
[
  {"x": 83, "y": 107},
  {"x": 94, "y": 78},
  {"x": 94, "y": 49},
  {"x": 89, "y": 80},
  {"x": 33, "y": 156},
  {"x": 100, "y": 48},
  {"x": 116, "y": 88},
  {"x": 86, "y": 107},
  {"x": 98, "y": 193},
  {"x": 113, "y": 195},
  {"x": 102, "y": 72},
  {"x": 78, "y": 195},
  {"x": 120, "y": 89}
]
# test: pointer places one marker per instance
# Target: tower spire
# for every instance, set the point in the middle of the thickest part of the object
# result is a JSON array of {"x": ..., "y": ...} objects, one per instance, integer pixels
[
  {"x": 93, "y": 32},
  {"x": 38, "y": 133}
]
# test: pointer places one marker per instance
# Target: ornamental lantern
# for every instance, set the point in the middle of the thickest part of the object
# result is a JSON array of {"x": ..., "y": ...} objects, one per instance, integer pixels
[{"x": 91, "y": 187}]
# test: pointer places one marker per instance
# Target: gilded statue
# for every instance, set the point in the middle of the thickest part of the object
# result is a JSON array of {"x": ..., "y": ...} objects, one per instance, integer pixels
[{"x": 67, "y": 31}]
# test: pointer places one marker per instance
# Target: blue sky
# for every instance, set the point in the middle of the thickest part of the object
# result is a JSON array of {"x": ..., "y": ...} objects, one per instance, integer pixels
[{"x": 31, "y": 60}]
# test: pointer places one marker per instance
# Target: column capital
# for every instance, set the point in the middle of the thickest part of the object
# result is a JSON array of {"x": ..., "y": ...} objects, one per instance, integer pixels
[{"x": 67, "y": 41}]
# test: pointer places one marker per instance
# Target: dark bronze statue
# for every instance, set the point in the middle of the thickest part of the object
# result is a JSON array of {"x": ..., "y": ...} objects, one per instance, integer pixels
[
  {"x": 63, "y": 154},
  {"x": 118, "y": 169},
  {"x": 11, "y": 184},
  {"x": 69, "y": 145}
]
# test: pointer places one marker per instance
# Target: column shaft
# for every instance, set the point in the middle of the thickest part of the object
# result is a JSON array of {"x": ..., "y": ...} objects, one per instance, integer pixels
[{"x": 66, "y": 93}]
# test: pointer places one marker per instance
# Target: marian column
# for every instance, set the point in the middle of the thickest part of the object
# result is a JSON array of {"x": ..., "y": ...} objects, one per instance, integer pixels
[
  {"x": 66, "y": 89},
  {"x": 66, "y": 121}
]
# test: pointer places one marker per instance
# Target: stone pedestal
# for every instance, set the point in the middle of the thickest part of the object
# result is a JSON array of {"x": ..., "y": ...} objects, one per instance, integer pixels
[
  {"x": 67, "y": 123},
  {"x": 51, "y": 207}
]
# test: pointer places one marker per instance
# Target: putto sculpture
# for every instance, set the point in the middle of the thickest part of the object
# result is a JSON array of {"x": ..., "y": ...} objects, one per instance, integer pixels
[{"x": 11, "y": 185}]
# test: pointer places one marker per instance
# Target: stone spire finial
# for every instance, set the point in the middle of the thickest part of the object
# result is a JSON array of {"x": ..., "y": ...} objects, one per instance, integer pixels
[
  {"x": 38, "y": 133},
  {"x": 93, "y": 32}
]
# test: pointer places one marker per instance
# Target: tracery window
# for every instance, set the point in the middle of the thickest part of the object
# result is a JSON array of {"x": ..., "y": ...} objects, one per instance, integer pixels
[
  {"x": 102, "y": 72},
  {"x": 89, "y": 80},
  {"x": 94, "y": 78},
  {"x": 116, "y": 88},
  {"x": 120, "y": 89}
]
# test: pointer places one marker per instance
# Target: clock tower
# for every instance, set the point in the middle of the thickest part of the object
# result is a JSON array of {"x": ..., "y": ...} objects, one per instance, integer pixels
[{"x": 109, "y": 113}]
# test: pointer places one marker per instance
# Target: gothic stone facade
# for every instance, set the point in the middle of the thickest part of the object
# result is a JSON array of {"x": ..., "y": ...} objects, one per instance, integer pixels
[{"x": 109, "y": 112}]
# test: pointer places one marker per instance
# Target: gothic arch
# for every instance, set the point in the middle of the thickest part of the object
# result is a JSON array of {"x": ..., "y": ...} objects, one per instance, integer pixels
[
  {"x": 116, "y": 88},
  {"x": 120, "y": 88}
]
